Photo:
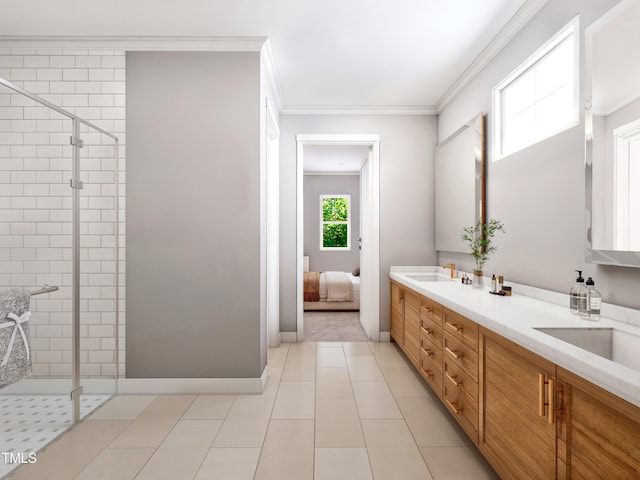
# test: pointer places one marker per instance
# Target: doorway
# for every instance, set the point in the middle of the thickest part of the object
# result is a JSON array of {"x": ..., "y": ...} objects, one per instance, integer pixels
[{"x": 369, "y": 227}]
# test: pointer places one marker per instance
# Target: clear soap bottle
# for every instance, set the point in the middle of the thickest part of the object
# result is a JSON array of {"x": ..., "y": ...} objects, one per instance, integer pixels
[
  {"x": 577, "y": 295},
  {"x": 594, "y": 301}
]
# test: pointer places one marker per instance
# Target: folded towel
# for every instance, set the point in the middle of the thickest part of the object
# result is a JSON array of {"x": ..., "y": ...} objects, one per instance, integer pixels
[{"x": 15, "y": 358}]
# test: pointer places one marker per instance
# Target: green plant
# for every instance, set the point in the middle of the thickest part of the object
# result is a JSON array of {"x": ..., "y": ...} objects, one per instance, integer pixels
[{"x": 479, "y": 237}]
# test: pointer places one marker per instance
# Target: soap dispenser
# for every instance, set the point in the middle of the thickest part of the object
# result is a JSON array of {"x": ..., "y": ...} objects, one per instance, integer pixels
[
  {"x": 594, "y": 301},
  {"x": 577, "y": 294}
]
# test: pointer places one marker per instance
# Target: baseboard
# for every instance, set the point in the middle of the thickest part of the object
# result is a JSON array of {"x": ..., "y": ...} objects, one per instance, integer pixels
[
  {"x": 288, "y": 337},
  {"x": 150, "y": 386},
  {"x": 173, "y": 386},
  {"x": 385, "y": 336}
]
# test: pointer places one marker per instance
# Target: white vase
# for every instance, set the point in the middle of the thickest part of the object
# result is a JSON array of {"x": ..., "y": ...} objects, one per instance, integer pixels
[{"x": 478, "y": 280}]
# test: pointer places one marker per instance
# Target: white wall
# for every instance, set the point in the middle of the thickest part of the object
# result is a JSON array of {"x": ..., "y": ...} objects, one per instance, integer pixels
[
  {"x": 406, "y": 195},
  {"x": 539, "y": 193},
  {"x": 35, "y": 200}
]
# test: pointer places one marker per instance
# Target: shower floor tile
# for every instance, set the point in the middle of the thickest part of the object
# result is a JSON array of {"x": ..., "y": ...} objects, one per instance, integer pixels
[{"x": 29, "y": 422}]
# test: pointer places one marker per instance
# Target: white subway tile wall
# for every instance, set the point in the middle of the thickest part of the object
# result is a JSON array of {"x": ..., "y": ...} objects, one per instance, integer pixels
[{"x": 36, "y": 201}]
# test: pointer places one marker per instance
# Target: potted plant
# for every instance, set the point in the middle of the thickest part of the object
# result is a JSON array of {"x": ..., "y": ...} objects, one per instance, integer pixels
[{"x": 479, "y": 237}]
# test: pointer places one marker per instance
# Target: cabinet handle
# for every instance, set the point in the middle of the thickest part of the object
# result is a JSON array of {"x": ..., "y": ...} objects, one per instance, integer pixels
[
  {"x": 453, "y": 406},
  {"x": 428, "y": 373},
  {"x": 454, "y": 379},
  {"x": 428, "y": 330},
  {"x": 541, "y": 389},
  {"x": 454, "y": 326},
  {"x": 454, "y": 353},
  {"x": 428, "y": 309},
  {"x": 401, "y": 296},
  {"x": 428, "y": 352},
  {"x": 550, "y": 401},
  {"x": 551, "y": 392}
]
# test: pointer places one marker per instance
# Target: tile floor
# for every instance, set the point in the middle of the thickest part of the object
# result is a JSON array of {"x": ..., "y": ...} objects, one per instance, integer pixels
[{"x": 329, "y": 411}]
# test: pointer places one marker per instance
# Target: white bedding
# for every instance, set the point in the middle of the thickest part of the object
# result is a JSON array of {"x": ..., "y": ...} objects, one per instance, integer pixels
[{"x": 323, "y": 304}]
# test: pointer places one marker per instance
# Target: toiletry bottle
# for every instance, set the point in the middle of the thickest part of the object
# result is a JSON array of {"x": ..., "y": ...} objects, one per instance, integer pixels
[
  {"x": 594, "y": 301},
  {"x": 576, "y": 293},
  {"x": 494, "y": 283},
  {"x": 500, "y": 282}
]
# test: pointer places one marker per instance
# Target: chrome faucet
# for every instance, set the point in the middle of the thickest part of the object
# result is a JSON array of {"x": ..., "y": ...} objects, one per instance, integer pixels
[{"x": 452, "y": 266}]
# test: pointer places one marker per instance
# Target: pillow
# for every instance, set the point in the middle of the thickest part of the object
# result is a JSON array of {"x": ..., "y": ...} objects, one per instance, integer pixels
[{"x": 356, "y": 271}]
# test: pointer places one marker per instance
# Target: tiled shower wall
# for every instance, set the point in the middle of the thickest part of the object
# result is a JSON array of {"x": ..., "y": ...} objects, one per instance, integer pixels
[{"x": 35, "y": 201}]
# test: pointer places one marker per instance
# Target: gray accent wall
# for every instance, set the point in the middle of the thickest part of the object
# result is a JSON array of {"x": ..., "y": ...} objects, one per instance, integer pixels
[
  {"x": 314, "y": 186},
  {"x": 539, "y": 192},
  {"x": 407, "y": 235},
  {"x": 193, "y": 215}
]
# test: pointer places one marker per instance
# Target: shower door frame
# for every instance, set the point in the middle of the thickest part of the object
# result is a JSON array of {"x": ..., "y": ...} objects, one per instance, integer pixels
[{"x": 76, "y": 185}]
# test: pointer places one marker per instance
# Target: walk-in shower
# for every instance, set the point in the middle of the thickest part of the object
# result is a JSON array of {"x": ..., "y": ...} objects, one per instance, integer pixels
[{"x": 59, "y": 218}]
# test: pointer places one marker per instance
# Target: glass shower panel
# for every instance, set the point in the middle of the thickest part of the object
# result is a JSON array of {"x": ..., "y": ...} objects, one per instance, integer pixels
[{"x": 98, "y": 264}]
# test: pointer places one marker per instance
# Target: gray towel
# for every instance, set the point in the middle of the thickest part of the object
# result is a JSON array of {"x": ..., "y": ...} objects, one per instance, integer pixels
[{"x": 19, "y": 366}]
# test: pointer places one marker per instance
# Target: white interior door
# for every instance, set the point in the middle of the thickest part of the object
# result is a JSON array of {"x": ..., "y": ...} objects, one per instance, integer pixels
[{"x": 365, "y": 235}]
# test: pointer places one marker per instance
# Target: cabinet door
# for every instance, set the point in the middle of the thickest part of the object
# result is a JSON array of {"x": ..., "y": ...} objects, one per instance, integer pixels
[
  {"x": 397, "y": 313},
  {"x": 600, "y": 433},
  {"x": 517, "y": 441}
]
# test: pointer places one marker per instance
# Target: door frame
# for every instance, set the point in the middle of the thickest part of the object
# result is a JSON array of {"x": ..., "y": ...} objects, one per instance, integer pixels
[{"x": 371, "y": 264}]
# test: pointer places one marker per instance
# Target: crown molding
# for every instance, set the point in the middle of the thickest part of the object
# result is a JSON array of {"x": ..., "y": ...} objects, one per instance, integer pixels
[
  {"x": 510, "y": 30},
  {"x": 356, "y": 110},
  {"x": 135, "y": 43},
  {"x": 272, "y": 75}
]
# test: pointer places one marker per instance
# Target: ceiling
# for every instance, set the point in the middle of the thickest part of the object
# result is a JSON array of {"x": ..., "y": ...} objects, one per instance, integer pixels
[
  {"x": 329, "y": 56},
  {"x": 334, "y": 159},
  {"x": 400, "y": 56}
]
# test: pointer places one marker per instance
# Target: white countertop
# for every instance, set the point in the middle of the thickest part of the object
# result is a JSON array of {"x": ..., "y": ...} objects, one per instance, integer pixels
[{"x": 515, "y": 317}]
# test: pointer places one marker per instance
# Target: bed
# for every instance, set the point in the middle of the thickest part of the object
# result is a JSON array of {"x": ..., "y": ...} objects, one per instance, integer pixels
[{"x": 328, "y": 294}]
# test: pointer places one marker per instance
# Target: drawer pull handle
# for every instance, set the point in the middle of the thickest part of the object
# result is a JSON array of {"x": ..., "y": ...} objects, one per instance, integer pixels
[
  {"x": 454, "y": 407},
  {"x": 428, "y": 352},
  {"x": 428, "y": 373},
  {"x": 429, "y": 309},
  {"x": 428, "y": 330},
  {"x": 454, "y": 326},
  {"x": 454, "y": 353},
  {"x": 454, "y": 380},
  {"x": 546, "y": 388}
]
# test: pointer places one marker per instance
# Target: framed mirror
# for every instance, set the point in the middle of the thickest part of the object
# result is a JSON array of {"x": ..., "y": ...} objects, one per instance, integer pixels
[
  {"x": 612, "y": 134},
  {"x": 460, "y": 186}
]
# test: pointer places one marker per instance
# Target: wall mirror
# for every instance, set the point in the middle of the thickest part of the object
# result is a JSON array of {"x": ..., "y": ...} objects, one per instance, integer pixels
[
  {"x": 612, "y": 132},
  {"x": 460, "y": 187}
]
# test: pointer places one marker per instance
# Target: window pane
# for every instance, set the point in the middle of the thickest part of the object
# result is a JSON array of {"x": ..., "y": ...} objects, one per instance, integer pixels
[
  {"x": 519, "y": 130},
  {"x": 556, "y": 69},
  {"x": 554, "y": 110},
  {"x": 334, "y": 235},
  {"x": 335, "y": 209},
  {"x": 519, "y": 96}
]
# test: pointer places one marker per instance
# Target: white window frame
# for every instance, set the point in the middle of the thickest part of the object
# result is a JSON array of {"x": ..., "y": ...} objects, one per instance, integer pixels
[
  {"x": 348, "y": 222},
  {"x": 571, "y": 28}
]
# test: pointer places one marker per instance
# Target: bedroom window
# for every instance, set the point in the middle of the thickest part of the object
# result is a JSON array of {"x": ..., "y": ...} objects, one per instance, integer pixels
[
  {"x": 539, "y": 99},
  {"x": 335, "y": 222}
]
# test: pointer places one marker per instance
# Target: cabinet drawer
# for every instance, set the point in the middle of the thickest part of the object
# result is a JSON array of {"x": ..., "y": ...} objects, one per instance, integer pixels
[
  {"x": 431, "y": 310},
  {"x": 458, "y": 380},
  {"x": 462, "y": 355},
  {"x": 463, "y": 409},
  {"x": 431, "y": 329},
  {"x": 431, "y": 336},
  {"x": 431, "y": 369},
  {"x": 462, "y": 328}
]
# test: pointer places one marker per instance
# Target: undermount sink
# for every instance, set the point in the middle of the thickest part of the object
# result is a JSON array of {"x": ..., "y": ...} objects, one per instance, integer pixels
[
  {"x": 611, "y": 343},
  {"x": 427, "y": 277}
]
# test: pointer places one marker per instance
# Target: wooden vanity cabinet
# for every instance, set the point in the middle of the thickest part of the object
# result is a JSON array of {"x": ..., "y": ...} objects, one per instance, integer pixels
[
  {"x": 412, "y": 326},
  {"x": 517, "y": 425},
  {"x": 598, "y": 433},
  {"x": 397, "y": 313}
]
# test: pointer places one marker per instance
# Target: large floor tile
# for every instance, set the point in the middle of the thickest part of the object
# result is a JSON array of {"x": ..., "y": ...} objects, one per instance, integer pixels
[
  {"x": 182, "y": 452},
  {"x": 72, "y": 452},
  {"x": 374, "y": 400},
  {"x": 392, "y": 452},
  {"x": 295, "y": 400},
  {"x": 246, "y": 423},
  {"x": 388, "y": 354},
  {"x": 364, "y": 369},
  {"x": 357, "y": 349},
  {"x": 116, "y": 464},
  {"x": 461, "y": 463},
  {"x": 342, "y": 464},
  {"x": 210, "y": 407},
  {"x": 276, "y": 356},
  {"x": 229, "y": 464},
  {"x": 288, "y": 451},
  {"x": 430, "y": 424},
  {"x": 337, "y": 423},
  {"x": 155, "y": 422},
  {"x": 405, "y": 382},
  {"x": 331, "y": 357},
  {"x": 333, "y": 382},
  {"x": 300, "y": 368},
  {"x": 123, "y": 407}
]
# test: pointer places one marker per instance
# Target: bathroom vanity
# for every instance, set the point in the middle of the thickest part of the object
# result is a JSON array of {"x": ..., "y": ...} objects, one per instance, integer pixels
[{"x": 517, "y": 375}]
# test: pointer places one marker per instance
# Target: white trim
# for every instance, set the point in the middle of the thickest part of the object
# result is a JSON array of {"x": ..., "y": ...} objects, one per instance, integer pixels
[
  {"x": 515, "y": 24},
  {"x": 60, "y": 386},
  {"x": 357, "y": 110},
  {"x": 173, "y": 386},
  {"x": 356, "y": 174},
  {"x": 272, "y": 75},
  {"x": 372, "y": 141},
  {"x": 288, "y": 337},
  {"x": 322, "y": 223}
]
